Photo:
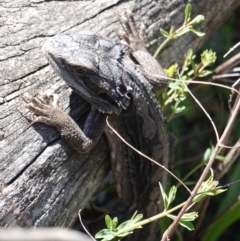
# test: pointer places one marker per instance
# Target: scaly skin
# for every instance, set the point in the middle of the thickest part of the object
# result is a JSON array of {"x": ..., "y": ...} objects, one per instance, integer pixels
[{"x": 103, "y": 72}]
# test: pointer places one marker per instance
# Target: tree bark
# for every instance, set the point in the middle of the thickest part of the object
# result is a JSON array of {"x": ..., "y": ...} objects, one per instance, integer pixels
[{"x": 44, "y": 182}]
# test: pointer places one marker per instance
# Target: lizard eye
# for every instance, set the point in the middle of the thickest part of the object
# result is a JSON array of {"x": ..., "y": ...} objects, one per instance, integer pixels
[
  {"x": 79, "y": 71},
  {"x": 84, "y": 70}
]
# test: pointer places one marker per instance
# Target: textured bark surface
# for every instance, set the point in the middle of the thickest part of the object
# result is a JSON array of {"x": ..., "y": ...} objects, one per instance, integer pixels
[{"x": 44, "y": 178}]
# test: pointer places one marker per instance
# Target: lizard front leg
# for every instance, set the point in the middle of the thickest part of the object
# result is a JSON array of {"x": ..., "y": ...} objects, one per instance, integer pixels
[
  {"x": 49, "y": 113},
  {"x": 133, "y": 39}
]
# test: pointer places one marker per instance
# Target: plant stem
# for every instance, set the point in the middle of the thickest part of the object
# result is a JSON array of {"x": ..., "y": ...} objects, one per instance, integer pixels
[
  {"x": 160, "y": 48},
  {"x": 148, "y": 220},
  {"x": 169, "y": 38},
  {"x": 219, "y": 144}
]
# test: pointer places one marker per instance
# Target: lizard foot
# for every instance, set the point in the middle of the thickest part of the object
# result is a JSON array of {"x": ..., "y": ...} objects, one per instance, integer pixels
[
  {"x": 46, "y": 107},
  {"x": 133, "y": 40}
]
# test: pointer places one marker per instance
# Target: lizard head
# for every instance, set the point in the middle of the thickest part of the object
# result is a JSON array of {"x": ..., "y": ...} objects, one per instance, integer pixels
[{"x": 92, "y": 67}]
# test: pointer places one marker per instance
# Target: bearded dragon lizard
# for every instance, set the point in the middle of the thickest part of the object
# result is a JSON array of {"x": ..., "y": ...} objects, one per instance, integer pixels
[{"x": 117, "y": 79}]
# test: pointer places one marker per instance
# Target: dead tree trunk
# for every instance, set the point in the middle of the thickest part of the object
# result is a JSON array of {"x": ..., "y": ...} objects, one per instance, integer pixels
[{"x": 41, "y": 176}]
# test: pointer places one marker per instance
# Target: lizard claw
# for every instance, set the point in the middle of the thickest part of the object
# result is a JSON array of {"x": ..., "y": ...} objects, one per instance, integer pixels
[
  {"x": 45, "y": 106},
  {"x": 48, "y": 98},
  {"x": 131, "y": 38},
  {"x": 134, "y": 41}
]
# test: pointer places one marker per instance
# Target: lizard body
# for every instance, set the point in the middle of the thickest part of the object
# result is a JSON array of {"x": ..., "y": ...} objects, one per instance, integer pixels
[{"x": 116, "y": 79}]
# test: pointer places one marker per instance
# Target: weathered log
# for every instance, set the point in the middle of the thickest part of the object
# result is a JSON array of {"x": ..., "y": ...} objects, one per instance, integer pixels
[{"x": 43, "y": 178}]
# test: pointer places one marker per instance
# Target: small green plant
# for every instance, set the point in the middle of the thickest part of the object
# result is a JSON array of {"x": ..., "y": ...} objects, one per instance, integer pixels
[
  {"x": 208, "y": 188},
  {"x": 177, "y": 91},
  {"x": 120, "y": 231},
  {"x": 172, "y": 98},
  {"x": 185, "y": 28},
  {"x": 186, "y": 219}
]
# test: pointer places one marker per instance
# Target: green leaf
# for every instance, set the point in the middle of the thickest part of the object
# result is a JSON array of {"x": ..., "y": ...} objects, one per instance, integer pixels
[
  {"x": 180, "y": 33},
  {"x": 187, "y": 224},
  {"x": 114, "y": 223},
  {"x": 134, "y": 215},
  {"x": 111, "y": 224},
  {"x": 198, "y": 33},
  {"x": 216, "y": 191},
  {"x": 172, "y": 194},
  {"x": 207, "y": 155},
  {"x": 124, "y": 224},
  {"x": 164, "y": 196},
  {"x": 198, "y": 19},
  {"x": 164, "y": 33},
  {"x": 180, "y": 109},
  {"x": 185, "y": 220},
  {"x": 206, "y": 73},
  {"x": 199, "y": 197},
  {"x": 135, "y": 218},
  {"x": 127, "y": 224},
  {"x": 104, "y": 234},
  {"x": 108, "y": 222},
  {"x": 222, "y": 158},
  {"x": 208, "y": 188},
  {"x": 124, "y": 234},
  {"x": 189, "y": 216},
  {"x": 188, "y": 10},
  {"x": 188, "y": 59},
  {"x": 182, "y": 97},
  {"x": 138, "y": 218},
  {"x": 174, "y": 85},
  {"x": 190, "y": 52}
]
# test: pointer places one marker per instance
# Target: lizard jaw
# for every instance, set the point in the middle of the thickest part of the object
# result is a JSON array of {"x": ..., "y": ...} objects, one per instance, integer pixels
[{"x": 109, "y": 101}]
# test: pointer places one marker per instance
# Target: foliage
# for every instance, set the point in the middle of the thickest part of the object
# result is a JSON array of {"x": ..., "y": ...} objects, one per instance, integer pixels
[
  {"x": 175, "y": 101},
  {"x": 120, "y": 231},
  {"x": 185, "y": 28},
  {"x": 177, "y": 91},
  {"x": 208, "y": 188}
]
